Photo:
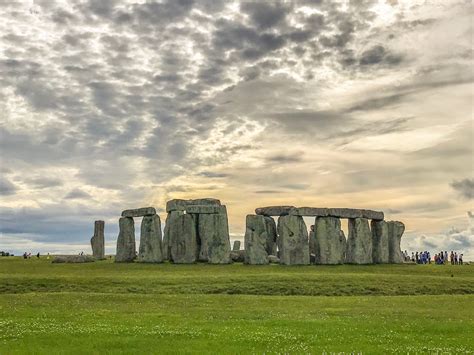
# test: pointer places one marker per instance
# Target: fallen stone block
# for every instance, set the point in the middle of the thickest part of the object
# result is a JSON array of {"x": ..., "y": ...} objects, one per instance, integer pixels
[
  {"x": 237, "y": 256},
  {"x": 73, "y": 259},
  {"x": 273, "y": 259}
]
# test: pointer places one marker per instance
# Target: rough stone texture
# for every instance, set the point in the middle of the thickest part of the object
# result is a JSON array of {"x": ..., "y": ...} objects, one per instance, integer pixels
[
  {"x": 180, "y": 205},
  {"x": 203, "y": 209},
  {"x": 150, "y": 250},
  {"x": 139, "y": 212},
  {"x": 379, "y": 241},
  {"x": 182, "y": 239},
  {"x": 273, "y": 259},
  {"x": 274, "y": 210},
  {"x": 359, "y": 242},
  {"x": 236, "y": 246},
  {"x": 330, "y": 243},
  {"x": 166, "y": 235},
  {"x": 293, "y": 239},
  {"x": 271, "y": 246},
  {"x": 255, "y": 240},
  {"x": 312, "y": 241},
  {"x": 395, "y": 232},
  {"x": 73, "y": 259},
  {"x": 238, "y": 256},
  {"x": 213, "y": 232},
  {"x": 126, "y": 241},
  {"x": 98, "y": 241},
  {"x": 337, "y": 212}
]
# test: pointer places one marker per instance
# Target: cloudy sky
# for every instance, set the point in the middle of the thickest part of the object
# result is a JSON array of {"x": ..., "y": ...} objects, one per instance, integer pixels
[{"x": 108, "y": 105}]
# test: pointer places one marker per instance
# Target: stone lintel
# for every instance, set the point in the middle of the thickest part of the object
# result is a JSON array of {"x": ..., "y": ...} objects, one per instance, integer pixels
[{"x": 139, "y": 212}]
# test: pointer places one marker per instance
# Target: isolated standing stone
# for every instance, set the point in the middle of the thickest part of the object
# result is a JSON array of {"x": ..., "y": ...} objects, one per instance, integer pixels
[
  {"x": 359, "y": 242},
  {"x": 182, "y": 239},
  {"x": 380, "y": 252},
  {"x": 213, "y": 231},
  {"x": 255, "y": 240},
  {"x": 293, "y": 239},
  {"x": 271, "y": 229},
  {"x": 395, "y": 232},
  {"x": 236, "y": 246},
  {"x": 150, "y": 250},
  {"x": 97, "y": 240},
  {"x": 330, "y": 243},
  {"x": 126, "y": 241}
]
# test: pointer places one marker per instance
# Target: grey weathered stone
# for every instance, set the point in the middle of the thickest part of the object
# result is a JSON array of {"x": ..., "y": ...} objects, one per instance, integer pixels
[
  {"x": 270, "y": 225},
  {"x": 97, "y": 240},
  {"x": 379, "y": 242},
  {"x": 182, "y": 239},
  {"x": 213, "y": 232},
  {"x": 180, "y": 205},
  {"x": 204, "y": 209},
  {"x": 395, "y": 232},
  {"x": 73, "y": 259},
  {"x": 274, "y": 210},
  {"x": 337, "y": 212},
  {"x": 236, "y": 246},
  {"x": 312, "y": 240},
  {"x": 273, "y": 259},
  {"x": 237, "y": 256},
  {"x": 330, "y": 243},
  {"x": 255, "y": 240},
  {"x": 293, "y": 240},
  {"x": 150, "y": 250},
  {"x": 166, "y": 235},
  {"x": 359, "y": 242},
  {"x": 139, "y": 212},
  {"x": 126, "y": 250}
]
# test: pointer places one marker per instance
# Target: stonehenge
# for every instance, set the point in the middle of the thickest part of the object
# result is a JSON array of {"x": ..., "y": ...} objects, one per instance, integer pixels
[
  {"x": 150, "y": 249},
  {"x": 197, "y": 230},
  {"x": 98, "y": 241}
]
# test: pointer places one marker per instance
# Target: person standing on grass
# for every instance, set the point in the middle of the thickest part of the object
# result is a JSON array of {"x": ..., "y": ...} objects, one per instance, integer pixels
[
  {"x": 455, "y": 258},
  {"x": 429, "y": 258},
  {"x": 446, "y": 256},
  {"x": 416, "y": 257},
  {"x": 460, "y": 259},
  {"x": 38, "y": 255}
]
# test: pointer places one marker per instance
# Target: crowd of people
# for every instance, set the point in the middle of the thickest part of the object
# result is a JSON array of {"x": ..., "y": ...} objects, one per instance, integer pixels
[{"x": 441, "y": 258}]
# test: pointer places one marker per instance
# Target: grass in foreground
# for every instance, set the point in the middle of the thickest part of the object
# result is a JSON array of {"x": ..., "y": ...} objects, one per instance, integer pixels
[{"x": 104, "y": 307}]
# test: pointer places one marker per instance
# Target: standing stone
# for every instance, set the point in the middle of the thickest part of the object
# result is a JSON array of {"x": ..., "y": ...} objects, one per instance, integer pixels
[
  {"x": 293, "y": 239},
  {"x": 271, "y": 246},
  {"x": 395, "y": 232},
  {"x": 98, "y": 241},
  {"x": 166, "y": 233},
  {"x": 330, "y": 243},
  {"x": 126, "y": 241},
  {"x": 213, "y": 231},
  {"x": 359, "y": 242},
  {"x": 312, "y": 241},
  {"x": 380, "y": 252},
  {"x": 255, "y": 240},
  {"x": 150, "y": 250},
  {"x": 182, "y": 239},
  {"x": 236, "y": 246}
]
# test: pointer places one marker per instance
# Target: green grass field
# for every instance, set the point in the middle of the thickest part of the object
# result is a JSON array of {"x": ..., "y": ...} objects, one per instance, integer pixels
[{"x": 137, "y": 308}]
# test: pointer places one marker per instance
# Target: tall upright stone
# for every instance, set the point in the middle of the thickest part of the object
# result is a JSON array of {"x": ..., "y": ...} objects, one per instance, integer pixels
[
  {"x": 150, "y": 250},
  {"x": 182, "y": 239},
  {"x": 236, "y": 246},
  {"x": 213, "y": 232},
  {"x": 330, "y": 243},
  {"x": 395, "y": 232},
  {"x": 380, "y": 252},
  {"x": 312, "y": 241},
  {"x": 98, "y": 241},
  {"x": 255, "y": 240},
  {"x": 293, "y": 239},
  {"x": 126, "y": 249},
  {"x": 271, "y": 246},
  {"x": 359, "y": 242},
  {"x": 172, "y": 215}
]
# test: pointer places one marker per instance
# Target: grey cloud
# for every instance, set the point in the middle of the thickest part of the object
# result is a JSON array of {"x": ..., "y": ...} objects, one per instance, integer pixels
[
  {"x": 268, "y": 192},
  {"x": 211, "y": 174},
  {"x": 286, "y": 158},
  {"x": 6, "y": 187},
  {"x": 379, "y": 55},
  {"x": 464, "y": 187},
  {"x": 265, "y": 14},
  {"x": 77, "y": 194},
  {"x": 41, "y": 182}
]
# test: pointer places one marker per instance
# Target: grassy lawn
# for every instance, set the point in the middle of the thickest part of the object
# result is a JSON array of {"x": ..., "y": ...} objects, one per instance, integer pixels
[{"x": 104, "y": 307}]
